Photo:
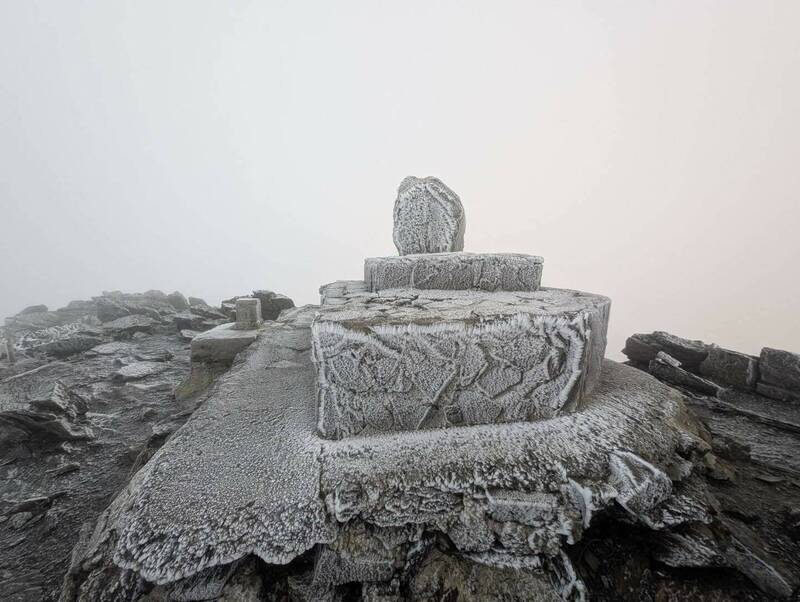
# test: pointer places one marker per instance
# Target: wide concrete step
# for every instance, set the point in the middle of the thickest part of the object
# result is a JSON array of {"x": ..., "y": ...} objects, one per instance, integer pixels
[{"x": 455, "y": 271}]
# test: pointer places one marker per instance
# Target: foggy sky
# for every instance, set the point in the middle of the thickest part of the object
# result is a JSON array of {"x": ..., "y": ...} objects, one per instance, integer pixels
[{"x": 648, "y": 150}]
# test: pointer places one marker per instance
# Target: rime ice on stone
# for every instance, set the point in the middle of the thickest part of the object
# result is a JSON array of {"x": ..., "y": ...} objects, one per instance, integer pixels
[
  {"x": 248, "y": 313},
  {"x": 428, "y": 217},
  {"x": 455, "y": 271},
  {"x": 415, "y": 360},
  {"x": 435, "y": 338},
  {"x": 465, "y": 402}
]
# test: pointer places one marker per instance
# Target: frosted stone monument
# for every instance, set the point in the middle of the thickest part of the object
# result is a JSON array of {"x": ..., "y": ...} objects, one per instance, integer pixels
[
  {"x": 444, "y": 339},
  {"x": 446, "y": 394}
]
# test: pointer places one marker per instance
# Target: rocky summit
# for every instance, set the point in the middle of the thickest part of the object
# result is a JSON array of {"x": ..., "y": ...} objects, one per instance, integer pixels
[{"x": 446, "y": 429}]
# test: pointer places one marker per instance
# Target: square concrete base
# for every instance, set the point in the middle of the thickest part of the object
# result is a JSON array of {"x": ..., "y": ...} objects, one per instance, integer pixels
[
  {"x": 221, "y": 344},
  {"x": 417, "y": 360}
]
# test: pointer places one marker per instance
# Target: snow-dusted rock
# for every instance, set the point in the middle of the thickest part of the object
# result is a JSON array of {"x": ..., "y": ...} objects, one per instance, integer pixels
[
  {"x": 215, "y": 492},
  {"x": 138, "y": 371},
  {"x": 428, "y": 217},
  {"x": 221, "y": 344}
]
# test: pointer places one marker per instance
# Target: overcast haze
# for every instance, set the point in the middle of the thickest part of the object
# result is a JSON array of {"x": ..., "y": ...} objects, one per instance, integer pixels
[{"x": 648, "y": 150}]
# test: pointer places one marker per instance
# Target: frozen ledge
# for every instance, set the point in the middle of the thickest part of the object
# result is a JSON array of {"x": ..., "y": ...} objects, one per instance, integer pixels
[{"x": 248, "y": 474}]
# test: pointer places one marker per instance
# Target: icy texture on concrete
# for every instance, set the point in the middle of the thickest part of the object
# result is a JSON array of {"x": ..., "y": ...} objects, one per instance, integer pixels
[
  {"x": 523, "y": 488},
  {"x": 414, "y": 360},
  {"x": 221, "y": 344},
  {"x": 455, "y": 271},
  {"x": 241, "y": 476},
  {"x": 248, "y": 474},
  {"x": 428, "y": 217}
]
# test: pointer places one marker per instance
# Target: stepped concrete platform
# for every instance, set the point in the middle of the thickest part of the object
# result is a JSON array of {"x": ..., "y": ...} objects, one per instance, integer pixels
[
  {"x": 248, "y": 473},
  {"x": 409, "y": 359},
  {"x": 455, "y": 271}
]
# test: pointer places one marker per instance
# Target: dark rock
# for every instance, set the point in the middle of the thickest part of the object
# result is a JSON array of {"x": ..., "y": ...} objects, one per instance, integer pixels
[
  {"x": 109, "y": 309},
  {"x": 36, "y": 406},
  {"x": 771, "y": 479},
  {"x": 228, "y": 307},
  {"x": 178, "y": 301},
  {"x": 730, "y": 448},
  {"x": 112, "y": 348},
  {"x": 33, "y": 309},
  {"x": 64, "y": 469},
  {"x": 272, "y": 304},
  {"x": 187, "y": 335},
  {"x": 208, "y": 312},
  {"x": 730, "y": 368},
  {"x": 68, "y": 346},
  {"x": 746, "y": 553},
  {"x": 18, "y": 520},
  {"x": 187, "y": 320},
  {"x": 35, "y": 321},
  {"x": 777, "y": 393},
  {"x": 792, "y": 523},
  {"x": 667, "y": 368},
  {"x": 780, "y": 369},
  {"x": 643, "y": 348},
  {"x": 130, "y": 325},
  {"x": 79, "y": 306},
  {"x": 138, "y": 371},
  {"x": 197, "y": 301},
  {"x": 117, "y": 305}
]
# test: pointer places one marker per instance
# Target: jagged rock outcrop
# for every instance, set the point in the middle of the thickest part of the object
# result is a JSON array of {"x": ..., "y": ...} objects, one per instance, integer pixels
[
  {"x": 465, "y": 442},
  {"x": 446, "y": 429},
  {"x": 82, "y": 408}
]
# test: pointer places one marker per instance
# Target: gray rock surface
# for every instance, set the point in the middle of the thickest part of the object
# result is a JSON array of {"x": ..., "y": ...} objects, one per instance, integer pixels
[
  {"x": 428, "y": 217},
  {"x": 221, "y": 344},
  {"x": 178, "y": 301},
  {"x": 455, "y": 271},
  {"x": 530, "y": 486},
  {"x": 129, "y": 325},
  {"x": 730, "y": 368},
  {"x": 780, "y": 369},
  {"x": 643, "y": 348},
  {"x": 272, "y": 304},
  {"x": 138, "y": 371},
  {"x": 37, "y": 408},
  {"x": 667, "y": 368}
]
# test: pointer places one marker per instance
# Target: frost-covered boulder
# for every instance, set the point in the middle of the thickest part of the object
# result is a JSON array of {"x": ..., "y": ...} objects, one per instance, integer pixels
[{"x": 428, "y": 217}]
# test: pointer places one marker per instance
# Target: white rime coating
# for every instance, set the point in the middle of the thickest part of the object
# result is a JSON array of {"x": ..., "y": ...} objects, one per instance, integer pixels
[
  {"x": 455, "y": 271},
  {"x": 403, "y": 361},
  {"x": 248, "y": 474},
  {"x": 428, "y": 217}
]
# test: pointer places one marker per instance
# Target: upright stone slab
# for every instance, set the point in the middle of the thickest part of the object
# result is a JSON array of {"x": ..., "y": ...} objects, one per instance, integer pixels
[
  {"x": 455, "y": 271},
  {"x": 428, "y": 217},
  {"x": 417, "y": 360},
  {"x": 248, "y": 313}
]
